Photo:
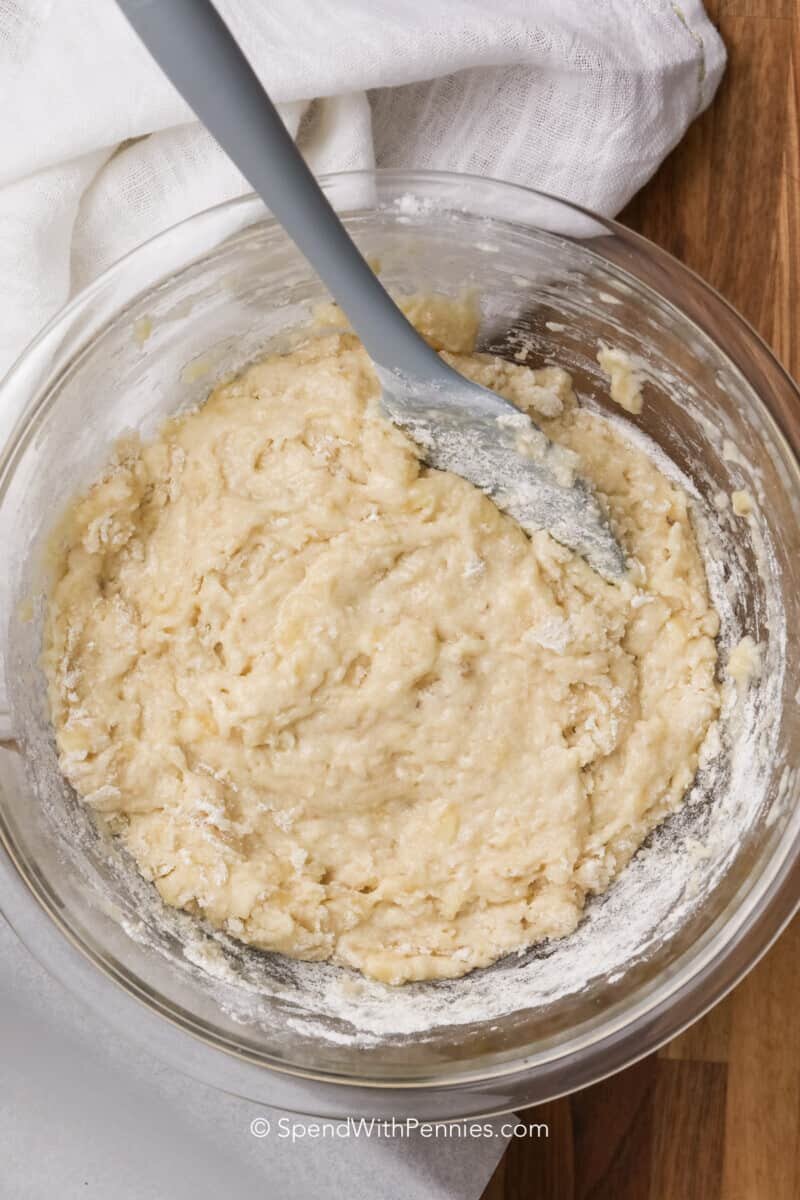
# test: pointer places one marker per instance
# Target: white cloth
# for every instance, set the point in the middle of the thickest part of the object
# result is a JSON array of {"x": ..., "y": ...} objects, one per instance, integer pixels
[
  {"x": 116, "y": 1122},
  {"x": 582, "y": 98}
]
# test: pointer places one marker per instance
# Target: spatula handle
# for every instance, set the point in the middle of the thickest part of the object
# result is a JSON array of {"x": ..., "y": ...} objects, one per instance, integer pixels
[{"x": 198, "y": 53}]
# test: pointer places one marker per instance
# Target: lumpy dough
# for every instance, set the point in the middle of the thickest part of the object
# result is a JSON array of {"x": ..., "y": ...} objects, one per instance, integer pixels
[{"x": 339, "y": 705}]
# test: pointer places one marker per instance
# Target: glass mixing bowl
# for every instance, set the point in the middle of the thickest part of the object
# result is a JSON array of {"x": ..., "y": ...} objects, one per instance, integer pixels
[{"x": 709, "y": 890}]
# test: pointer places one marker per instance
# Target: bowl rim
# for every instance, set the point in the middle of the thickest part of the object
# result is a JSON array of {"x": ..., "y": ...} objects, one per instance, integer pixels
[{"x": 675, "y": 1003}]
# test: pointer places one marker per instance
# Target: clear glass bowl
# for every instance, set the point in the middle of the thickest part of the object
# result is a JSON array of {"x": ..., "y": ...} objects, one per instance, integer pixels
[{"x": 711, "y": 888}]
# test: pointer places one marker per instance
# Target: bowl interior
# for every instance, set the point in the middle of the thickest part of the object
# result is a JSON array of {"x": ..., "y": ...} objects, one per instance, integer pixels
[{"x": 550, "y": 287}]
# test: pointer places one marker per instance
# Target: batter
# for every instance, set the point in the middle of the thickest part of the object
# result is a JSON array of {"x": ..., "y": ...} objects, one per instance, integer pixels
[{"x": 339, "y": 705}]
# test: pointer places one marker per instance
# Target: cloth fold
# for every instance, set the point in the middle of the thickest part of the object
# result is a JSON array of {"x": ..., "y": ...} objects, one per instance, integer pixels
[{"x": 100, "y": 152}]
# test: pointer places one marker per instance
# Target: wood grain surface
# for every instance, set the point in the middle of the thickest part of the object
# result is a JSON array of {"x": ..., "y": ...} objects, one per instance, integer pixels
[{"x": 715, "y": 1115}]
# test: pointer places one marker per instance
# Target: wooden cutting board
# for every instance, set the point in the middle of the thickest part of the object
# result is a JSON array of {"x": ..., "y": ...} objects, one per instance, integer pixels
[{"x": 715, "y": 1115}]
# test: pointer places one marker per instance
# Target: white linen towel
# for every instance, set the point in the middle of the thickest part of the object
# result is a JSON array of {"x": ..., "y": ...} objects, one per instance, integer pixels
[{"x": 582, "y": 98}]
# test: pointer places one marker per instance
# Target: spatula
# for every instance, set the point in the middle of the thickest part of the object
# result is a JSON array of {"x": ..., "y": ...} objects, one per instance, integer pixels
[{"x": 458, "y": 425}]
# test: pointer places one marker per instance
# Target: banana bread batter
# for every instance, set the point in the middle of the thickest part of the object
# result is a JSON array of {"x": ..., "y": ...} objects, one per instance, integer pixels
[{"x": 339, "y": 705}]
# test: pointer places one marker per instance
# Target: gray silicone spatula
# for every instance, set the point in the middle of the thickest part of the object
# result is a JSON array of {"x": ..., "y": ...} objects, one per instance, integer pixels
[{"x": 458, "y": 425}]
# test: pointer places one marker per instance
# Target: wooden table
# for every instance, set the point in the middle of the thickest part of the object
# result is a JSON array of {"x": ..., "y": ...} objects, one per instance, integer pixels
[{"x": 715, "y": 1115}]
